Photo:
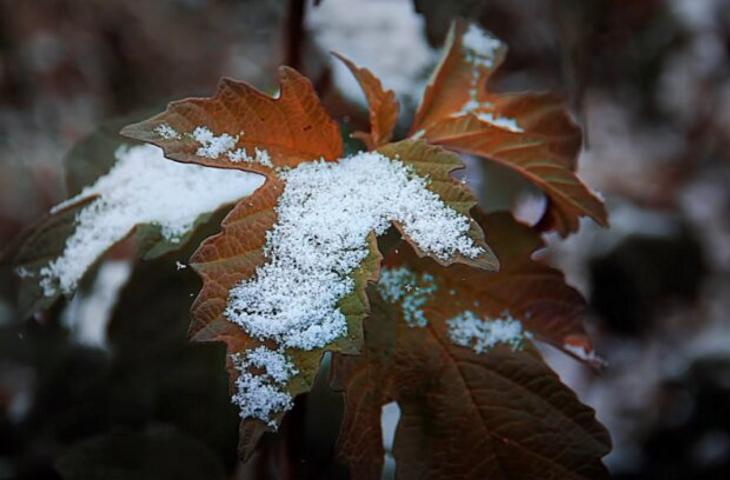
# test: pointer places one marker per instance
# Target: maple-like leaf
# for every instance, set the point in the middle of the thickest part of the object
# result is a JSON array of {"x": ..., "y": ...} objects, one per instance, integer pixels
[
  {"x": 530, "y": 133},
  {"x": 535, "y": 293},
  {"x": 470, "y": 406},
  {"x": 118, "y": 190},
  {"x": 382, "y": 105},
  {"x": 233, "y": 128},
  {"x": 254, "y": 261}
]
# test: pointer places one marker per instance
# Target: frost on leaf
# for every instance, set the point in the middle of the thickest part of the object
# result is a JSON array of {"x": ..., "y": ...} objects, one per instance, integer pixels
[
  {"x": 142, "y": 188},
  {"x": 530, "y": 133},
  {"x": 498, "y": 414}
]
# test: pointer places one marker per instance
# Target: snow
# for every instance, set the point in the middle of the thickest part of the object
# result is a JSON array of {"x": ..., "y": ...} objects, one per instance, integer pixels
[
  {"x": 89, "y": 313},
  {"x": 385, "y": 36},
  {"x": 480, "y": 49},
  {"x": 469, "y": 330},
  {"x": 502, "y": 122},
  {"x": 260, "y": 156},
  {"x": 410, "y": 289},
  {"x": 167, "y": 132},
  {"x": 213, "y": 146},
  {"x": 262, "y": 395},
  {"x": 325, "y": 213},
  {"x": 143, "y": 187}
]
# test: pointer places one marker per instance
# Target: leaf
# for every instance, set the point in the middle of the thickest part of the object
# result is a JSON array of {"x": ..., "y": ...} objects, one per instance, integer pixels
[
  {"x": 531, "y": 134},
  {"x": 292, "y": 128},
  {"x": 163, "y": 205},
  {"x": 42, "y": 243},
  {"x": 383, "y": 106},
  {"x": 501, "y": 414},
  {"x": 530, "y": 291},
  {"x": 233, "y": 256}
]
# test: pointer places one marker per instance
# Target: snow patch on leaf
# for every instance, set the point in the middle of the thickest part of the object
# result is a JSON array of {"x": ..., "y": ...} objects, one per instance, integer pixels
[
  {"x": 213, "y": 146},
  {"x": 480, "y": 50},
  {"x": 260, "y": 393},
  {"x": 325, "y": 214},
  {"x": 467, "y": 329},
  {"x": 480, "y": 47},
  {"x": 143, "y": 187},
  {"x": 261, "y": 157},
  {"x": 167, "y": 132},
  {"x": 412, "y": 290}
]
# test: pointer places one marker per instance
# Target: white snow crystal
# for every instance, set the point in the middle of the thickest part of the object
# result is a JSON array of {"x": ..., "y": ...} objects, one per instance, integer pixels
[
  {"x": 469, "y": 330},
  {"x": 325, "y": 214},
  {"x": 167, "y": 132},
  {"x": 411, "y": 290},
  {"x": 480, "y": 49},
  {"x": 260, "y": 394},
  {"x": 213, "y": 146},
  {"x": 503, "y": 122},
  {"x": 142, "y": 187},
  {"x": 480, "y": 46},
  {"x": 241, "y": 155}
]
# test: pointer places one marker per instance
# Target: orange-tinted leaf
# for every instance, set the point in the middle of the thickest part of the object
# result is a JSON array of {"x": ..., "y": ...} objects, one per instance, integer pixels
[
  {"x": 455, "y": 80},
  {"x": 382, "y": 103},
  {"x": 529, "y": 291},
  {"x": 531, "y": 134},
  {"x": 499, "y": 414},
  {"x": 291, "y": 128},
  {"x": 226, "y": 259}
]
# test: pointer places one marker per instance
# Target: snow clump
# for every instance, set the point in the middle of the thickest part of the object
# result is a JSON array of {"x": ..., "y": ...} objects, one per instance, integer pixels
[{"x": 325, "y": 214}]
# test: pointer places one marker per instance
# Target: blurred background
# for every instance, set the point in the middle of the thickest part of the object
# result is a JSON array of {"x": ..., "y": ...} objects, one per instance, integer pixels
[{"x": 88, "y": 390}]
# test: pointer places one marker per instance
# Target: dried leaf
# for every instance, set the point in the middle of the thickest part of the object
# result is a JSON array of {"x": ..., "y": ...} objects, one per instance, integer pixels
[
  {"x": 233, "y": 256},
  {"x": 530, "y": 291},
  {"x": 291, "y": 128},
  {"x": 382, "y": 103},
  {"x": 499, "y": 414},
  {"x": 531, "y": 134}
]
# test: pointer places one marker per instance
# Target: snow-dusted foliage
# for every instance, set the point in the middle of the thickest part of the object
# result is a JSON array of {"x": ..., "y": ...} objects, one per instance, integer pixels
[
  {"x": 325, "y": 214},
  {"x": 261, "y": 393},
  {"x": 469, "y": 330},
  {"x": 143, "y": 187}
]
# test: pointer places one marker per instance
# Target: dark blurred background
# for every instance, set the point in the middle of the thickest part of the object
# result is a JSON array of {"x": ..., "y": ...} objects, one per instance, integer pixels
[{"x": 92, "y": 391}]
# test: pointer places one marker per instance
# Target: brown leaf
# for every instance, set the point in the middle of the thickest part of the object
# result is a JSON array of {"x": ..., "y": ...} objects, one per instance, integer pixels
[
  {"x": 530, "y": 291},
  {"x": 382, "y": 103},
  {"x": 531, "y": 134},
  {"x": 292, "y": 128},
  {"x": 501, "y": 414}
]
